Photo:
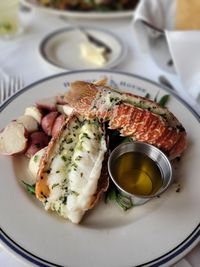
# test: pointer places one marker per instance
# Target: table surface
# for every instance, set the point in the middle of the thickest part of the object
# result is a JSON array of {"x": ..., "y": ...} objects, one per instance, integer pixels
[{"x": 28, "y": 62}]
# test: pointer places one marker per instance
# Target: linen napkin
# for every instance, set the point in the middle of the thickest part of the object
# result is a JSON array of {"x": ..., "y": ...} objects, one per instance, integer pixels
[{"x": 168, "y": 20}]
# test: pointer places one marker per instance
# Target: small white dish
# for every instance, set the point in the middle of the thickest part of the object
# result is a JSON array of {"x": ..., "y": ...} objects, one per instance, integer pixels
[{"x": 61, "y": 48}]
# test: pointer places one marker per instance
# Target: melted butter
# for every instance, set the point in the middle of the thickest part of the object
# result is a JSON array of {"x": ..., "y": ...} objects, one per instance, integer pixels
[{"x": 137, "y": 174}]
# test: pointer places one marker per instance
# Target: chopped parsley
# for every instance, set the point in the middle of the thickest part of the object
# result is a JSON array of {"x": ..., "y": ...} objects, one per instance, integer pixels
[
  {"x": 96, "y": 123},
  {"x": 78, "y": 158},
  {"x": 35, "y": 158},
  {"x": 69, "y": 141},
  {"x": 74, "y": 193},
  {"x": 38, "y": 145},
  {"x": 54, "y": 185},
  {"x": 63, "y": 158},
  {"x": 74, "y": 166},
  {"x": 85, "y": 135}
]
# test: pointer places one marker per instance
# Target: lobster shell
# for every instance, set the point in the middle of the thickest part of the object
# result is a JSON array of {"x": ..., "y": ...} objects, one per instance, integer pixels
[{"x": 134, "y": 116}]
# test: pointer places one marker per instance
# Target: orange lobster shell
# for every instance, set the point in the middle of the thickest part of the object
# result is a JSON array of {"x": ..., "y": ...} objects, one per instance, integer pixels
[{"x": 134, "y": 116}]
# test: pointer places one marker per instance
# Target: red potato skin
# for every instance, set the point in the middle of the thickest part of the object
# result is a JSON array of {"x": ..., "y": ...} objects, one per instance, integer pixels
[
  {"x": 48, "y": 122},
  {"x": 58, "y": 124},
  {"x": 47, "y": 104},
  {"x": 37, "y": 141}
]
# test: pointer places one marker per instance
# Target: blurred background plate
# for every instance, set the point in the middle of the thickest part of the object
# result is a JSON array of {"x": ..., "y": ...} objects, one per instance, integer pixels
[
  {"x": 62, "y": 48},
  {"x": 79, "y": 14}
]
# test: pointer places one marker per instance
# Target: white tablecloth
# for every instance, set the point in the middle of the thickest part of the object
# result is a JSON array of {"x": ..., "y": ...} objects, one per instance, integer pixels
[{"x": 21, "y": 56}]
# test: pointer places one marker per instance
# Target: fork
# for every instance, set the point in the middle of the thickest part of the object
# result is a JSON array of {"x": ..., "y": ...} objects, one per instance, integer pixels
[{"x": 9, "y": 86}]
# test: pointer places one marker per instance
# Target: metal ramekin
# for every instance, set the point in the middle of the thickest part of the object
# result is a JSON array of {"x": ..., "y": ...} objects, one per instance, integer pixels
[{"x": 153, "y": 153}]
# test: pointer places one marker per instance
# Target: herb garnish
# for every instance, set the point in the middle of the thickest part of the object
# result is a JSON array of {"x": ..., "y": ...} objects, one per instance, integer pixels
[
  {"x": 127, "y": 139},
  {"x": 54, "y": 185},
  {"x": 69, "y": 141},
  {"x": 163, "y": 101},
  {"x": 113, "y": 195},
  {"x": 78, "y": 158},
  {"x": 6, "y": 26},
  {"x": 74, "y": 193},
  {"x": 63, "y": 158},
  {"x": 96, "y": 123},
  {"x": 29, "y": 188},
  {"x": 38, "y": 145},
  {"x": 35, "y": 159},
  {"x": 74, "y": 166},
  {"x": 147, "y": 96},
  {"x": 86, "y": 136}
]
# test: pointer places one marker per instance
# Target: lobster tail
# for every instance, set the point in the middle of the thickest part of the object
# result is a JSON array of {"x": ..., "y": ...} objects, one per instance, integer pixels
[
  {"x": 80, "y": 96},
  {"x": 140, "y": 118}
]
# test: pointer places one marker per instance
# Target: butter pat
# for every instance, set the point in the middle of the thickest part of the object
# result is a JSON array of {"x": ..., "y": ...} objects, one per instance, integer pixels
[{"x": 93, "y": 54}]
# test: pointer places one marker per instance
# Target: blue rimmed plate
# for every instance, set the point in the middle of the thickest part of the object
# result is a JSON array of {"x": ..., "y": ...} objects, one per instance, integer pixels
[
  {"x": 61, "y": 48},
  {"x": 158, "y": 233}
]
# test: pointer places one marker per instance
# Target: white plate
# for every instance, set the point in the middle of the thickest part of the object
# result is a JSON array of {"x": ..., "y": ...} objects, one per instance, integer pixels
[
  {"x": 79, "y": 14},
  {"x": 61, "y": 48},
  {"x": 158, "y": 233}
]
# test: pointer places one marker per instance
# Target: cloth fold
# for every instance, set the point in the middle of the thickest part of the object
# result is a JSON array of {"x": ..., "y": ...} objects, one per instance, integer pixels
[{"x": 154, "y": 22}]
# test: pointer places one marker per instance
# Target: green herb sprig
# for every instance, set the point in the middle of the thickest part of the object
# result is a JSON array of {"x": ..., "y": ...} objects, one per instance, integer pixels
[
  {"x": 163, "y": 101},
  {"x": 113, "y": 195},
  {"x": 29, "y": 188}
]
